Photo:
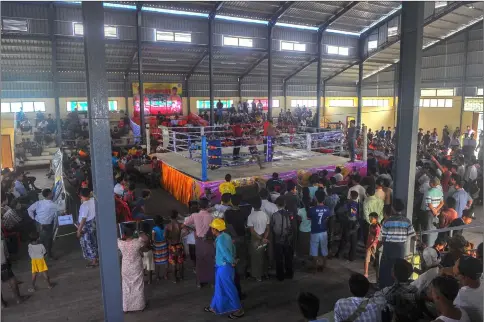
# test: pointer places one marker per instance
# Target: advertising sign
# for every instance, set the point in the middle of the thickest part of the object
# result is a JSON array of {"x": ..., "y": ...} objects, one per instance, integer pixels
[{"x": 164, "y": 98}]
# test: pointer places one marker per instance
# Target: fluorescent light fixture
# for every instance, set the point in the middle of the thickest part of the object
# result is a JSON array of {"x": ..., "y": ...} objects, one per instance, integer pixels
[
  {"x": 342, "y": 32},
  {"x": 263, "y": 22},
  {"x": 175, "y": 12},
  {"x": 118, "y": 5},
  {"x": 289, "y": 25},
  {"x": 381, "y": 19}
]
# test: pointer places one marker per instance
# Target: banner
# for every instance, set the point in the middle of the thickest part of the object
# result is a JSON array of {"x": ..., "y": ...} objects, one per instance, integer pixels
[
  {"x": 58, "y": 191},
  {"x": 473, "y": 104},
  {"x": 159, "y": 98}
]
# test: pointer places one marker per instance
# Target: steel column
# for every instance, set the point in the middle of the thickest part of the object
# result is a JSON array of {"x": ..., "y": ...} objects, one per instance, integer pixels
[
  {"x": 269, "y": 71},
  {"x": 126, "y": 93},
  {"x": 55, "y": 73},
  {"x": 139, "y": 36},
  {"x": 284, "y": 92},
  {"x": 323, "y": 94},
  {"x": 360, "y": 82},
  {"x": 210, "y": 67},
  {"x": 239, "y": 82},
  {"x": 318, "y": 78},
  {"x": 395, "y": 92},
  {"x": 464, "y": 77},
  {"x": 187, "y": 91},
  {"x": 100, "y": 140},
  {"x": 408, "y": 101}
]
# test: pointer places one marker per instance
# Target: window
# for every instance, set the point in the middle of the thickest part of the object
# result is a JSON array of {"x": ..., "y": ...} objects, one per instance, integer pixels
[
  {"x": 302, "y": 103},
  {"x": 231, "y": 41},
  {"x": 27, "y": 107},
  {"x": 434, "y": 102},
  {"x": 245, "y": 42},
  {"x": 480, "y": 91},
  {"x": 392, "y": 31},
  {"x": 164, "y": 36},
  {"x": 82, "y": 106},
  {"x": 5, "y": 107},
  {"x": 236, "y": 41},
  {"x": 183, "y": 37},
  {"x": 440, "y": 4},
  {"x": 78, "y": 29},
  {"x": 335, "y": 50},
  {"x": 15, "y": 107},
  {"x": 294, "y": 46},
  {"x": 110, "y": 32},
  {"x": 445, "y": 92},
  {"x": 342, "y": 103},
  {"x": 39, "y": 106},
  {"x": 437, "y": 92},
  {"x": 205, "y": 104},
  {"x": 15, "y": 25},
  {"x": 376, "y": 103},
  {"x": 373, "y": 44}
]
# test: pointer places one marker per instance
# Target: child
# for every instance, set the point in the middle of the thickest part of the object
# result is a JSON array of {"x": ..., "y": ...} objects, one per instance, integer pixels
[
  {"x": 227, "y": 186},
  {"x": 176, "y": 257},
  {"x": 372, "y": 242},
  {"x": 160, "y": 247},
  {"x": 148, "y": 261},
  {"x": 37, "y": 252}
]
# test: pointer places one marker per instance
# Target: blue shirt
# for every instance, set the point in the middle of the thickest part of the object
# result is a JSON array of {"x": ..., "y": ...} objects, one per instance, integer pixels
[
  {"x": 224, "y": 250},
  {"x": 20, "y": 188},
  {"x": 115, "y": 161},
  {"x": 159, "y": 234},
  {"x": 353, "y": 208},
  {"x": 318, "y": 216},
  {"x": 461, "y": 198},
  {"x": 312, "y": 191}
]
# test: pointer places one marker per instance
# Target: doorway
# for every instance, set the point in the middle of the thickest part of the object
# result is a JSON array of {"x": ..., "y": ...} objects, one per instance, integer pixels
[{"x": 7, "y": 159}]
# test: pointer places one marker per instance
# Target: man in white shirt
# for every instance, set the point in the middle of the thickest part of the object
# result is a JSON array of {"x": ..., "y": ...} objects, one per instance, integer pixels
[
  {"x": 44, "y": 212},
  {"x": 119, "y": 187},
  {"x": 469, "y": 271},
  {"x": 355, "y": 181},
  {"x": 471, "y": 171},
  {"x": 258, "y": 223},
  {"x": 268, "y": 207}
]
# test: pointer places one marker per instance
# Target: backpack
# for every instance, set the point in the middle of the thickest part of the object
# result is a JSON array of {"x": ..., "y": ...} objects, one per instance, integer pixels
[{"x": 286, "y": 235}]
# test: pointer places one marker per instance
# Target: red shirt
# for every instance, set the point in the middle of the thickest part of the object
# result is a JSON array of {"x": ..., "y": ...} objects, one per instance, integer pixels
[
  {"x": 122, "y": 210},
  {"x": 238, "y": 131},
  {"x": 265, "y": 126},
  {"x": 373, "y": 235}
]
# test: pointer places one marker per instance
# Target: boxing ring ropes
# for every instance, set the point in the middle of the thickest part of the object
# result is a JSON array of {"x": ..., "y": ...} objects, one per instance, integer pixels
[{"x": 206, "y": 145}]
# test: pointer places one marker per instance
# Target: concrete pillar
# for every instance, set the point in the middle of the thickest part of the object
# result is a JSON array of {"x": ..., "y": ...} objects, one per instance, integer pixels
[
  {"x": 408, "y": 102},
  {"x": 102, "y": 169}
]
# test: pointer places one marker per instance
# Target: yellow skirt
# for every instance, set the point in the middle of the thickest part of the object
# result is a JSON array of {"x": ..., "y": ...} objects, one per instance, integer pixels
[{"x": 39, "y": 265}]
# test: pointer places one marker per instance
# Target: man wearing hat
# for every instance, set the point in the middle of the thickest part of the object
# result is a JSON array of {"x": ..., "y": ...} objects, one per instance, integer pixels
[
  {"x": 225, "y": 298},
  {"x": 468, "y": 271}
]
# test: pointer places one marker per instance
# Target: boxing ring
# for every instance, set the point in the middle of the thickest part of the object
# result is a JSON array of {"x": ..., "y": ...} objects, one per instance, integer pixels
[{"x": 196, "y": 159}]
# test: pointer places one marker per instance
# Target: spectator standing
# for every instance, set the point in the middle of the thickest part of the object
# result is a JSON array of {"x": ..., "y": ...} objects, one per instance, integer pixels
[
  {"x": 282, "y": 237},
  {"x": 355, "y": 181},
  {"x": 258, "y": 223},
  {"x": 434, "y": 201},
  {"x": 443, "y": 292},
  {"x": 319, "y": 237},
  {"x": 462, "y": 199},
  {"x": 351, "y": 138},
  {"x": 469, "y": 271},
  {"x": 372, "y": 242},
  {"x": 395, "y": 232},
  {"x": 44, "y": 212}
]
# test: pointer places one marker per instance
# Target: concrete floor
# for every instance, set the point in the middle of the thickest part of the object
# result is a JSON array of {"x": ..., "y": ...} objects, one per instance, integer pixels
[{"x": 77, "y": 295}]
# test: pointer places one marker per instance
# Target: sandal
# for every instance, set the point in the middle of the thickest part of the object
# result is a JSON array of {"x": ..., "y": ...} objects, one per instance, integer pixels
[
  {"x": 207, "y": 309},
  {"x": 234, "y": 316}
]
